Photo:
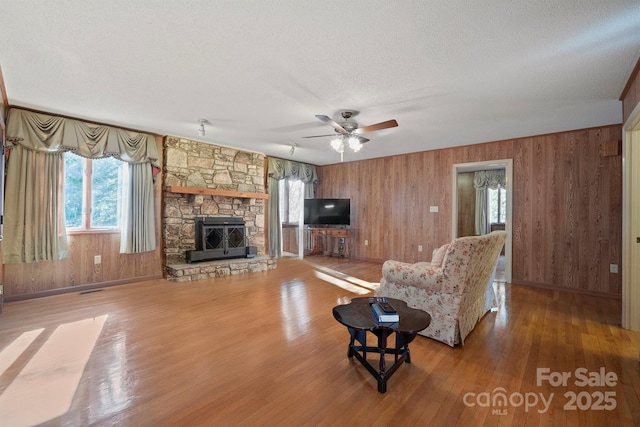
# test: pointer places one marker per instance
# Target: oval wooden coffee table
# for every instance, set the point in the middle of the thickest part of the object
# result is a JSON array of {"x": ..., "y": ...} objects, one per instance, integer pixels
[{"x": 358, "y": 318}]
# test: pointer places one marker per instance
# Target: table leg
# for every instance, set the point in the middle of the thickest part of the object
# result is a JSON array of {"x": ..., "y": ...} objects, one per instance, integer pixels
[
  {"x": 402, "y": 345},
  {"x": 382, "y": 374},
  {"x": 398, "y": 346},
  {"x": 382, "y": 345},
  {"x": 400, "y": 351},
  {"x": 361, "y": 337}
]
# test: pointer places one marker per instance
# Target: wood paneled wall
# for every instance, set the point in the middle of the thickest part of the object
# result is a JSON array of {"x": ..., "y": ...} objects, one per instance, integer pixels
[
  {"x": 567, "y": 216},
  {"x": 568, "y": 211},
  {"x": 78, "y": 270},
  {"x": 466, "y": 204},
  {"x": 47, "y": 277},
  {"x": 290, "y": 238}
]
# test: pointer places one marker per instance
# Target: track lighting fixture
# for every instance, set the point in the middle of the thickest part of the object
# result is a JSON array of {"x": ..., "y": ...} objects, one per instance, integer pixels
[{"x": 201, "y": 127}]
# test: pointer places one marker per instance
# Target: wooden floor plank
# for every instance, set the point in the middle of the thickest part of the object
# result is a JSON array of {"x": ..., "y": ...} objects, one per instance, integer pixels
[{"x": 264, "y": 349}]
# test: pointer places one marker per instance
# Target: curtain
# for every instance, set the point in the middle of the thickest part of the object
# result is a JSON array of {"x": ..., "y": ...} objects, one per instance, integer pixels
[
  {"x": 275, "y": 231},
  {"x": 47, "y": 135},
  {"x": 43, "y": 132},
  {"x": 309, "y": 190},
  {"x": 482, "y": 180},
  {"x": 285, "y": 169},
  {"x": 34, "y": 214},
  {"x": 281, "y": 169},
  {"x": 138, "y": 231}
]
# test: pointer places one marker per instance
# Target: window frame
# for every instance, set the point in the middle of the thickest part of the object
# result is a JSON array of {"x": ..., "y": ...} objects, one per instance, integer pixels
[
  {"x": 285, "y": 202},
  {"x": 499, "y": 190},
  {"x": 87, "y": 199}
]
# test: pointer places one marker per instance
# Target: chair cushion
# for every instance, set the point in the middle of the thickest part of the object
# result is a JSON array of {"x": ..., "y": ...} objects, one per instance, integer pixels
[{"x": 438, "y": 255}]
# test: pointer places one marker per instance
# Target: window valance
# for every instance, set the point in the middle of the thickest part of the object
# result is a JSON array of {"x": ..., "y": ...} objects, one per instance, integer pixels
[
  {"x": 53, "y": 134},
  {"x": 281, "y": 169},
  {"x": 489, "y": 179}
]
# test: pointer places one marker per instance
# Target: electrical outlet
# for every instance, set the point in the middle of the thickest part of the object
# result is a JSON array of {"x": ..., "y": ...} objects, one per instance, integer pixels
[
  {"x": 97, "y": 259},
  {"x": 613, "y": 268},
  {"x": 433, "y": 209},
  {"x": 366, "y": 243},
  {"x": 419, "y": 248}
]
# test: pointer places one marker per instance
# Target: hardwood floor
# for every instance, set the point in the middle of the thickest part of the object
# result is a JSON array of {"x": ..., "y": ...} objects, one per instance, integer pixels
[{"x": 264, "y": 349}]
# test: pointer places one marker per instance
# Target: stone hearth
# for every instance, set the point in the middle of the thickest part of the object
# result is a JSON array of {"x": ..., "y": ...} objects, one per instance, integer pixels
[{"x": 219, "y": 268}]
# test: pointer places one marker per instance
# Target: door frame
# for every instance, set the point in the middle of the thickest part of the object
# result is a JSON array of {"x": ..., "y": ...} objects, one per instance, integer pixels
[
  {"x": 507, "y": 164},
  {"x": 630, "y": 223}
]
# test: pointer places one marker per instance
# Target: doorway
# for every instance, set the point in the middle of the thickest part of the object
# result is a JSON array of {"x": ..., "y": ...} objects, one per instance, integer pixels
[
  {"x": 291, "y": 199},
  {"x": 464, "y": 168}
]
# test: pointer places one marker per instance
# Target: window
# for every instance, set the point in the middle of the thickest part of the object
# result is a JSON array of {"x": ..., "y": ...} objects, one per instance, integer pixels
[
  {"x": 92, "y": 192},
  {"x": 497, "y": 205},
  {"x": 291, "y": 201}
]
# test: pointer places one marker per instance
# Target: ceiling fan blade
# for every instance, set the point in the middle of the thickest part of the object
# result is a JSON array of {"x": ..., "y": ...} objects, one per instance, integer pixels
[
  {"x": 335, "y": 125},
  {"x": 318, "y": 136},
  {"x": 363, "y": 139},
  {"x": 377, "y": 126}
]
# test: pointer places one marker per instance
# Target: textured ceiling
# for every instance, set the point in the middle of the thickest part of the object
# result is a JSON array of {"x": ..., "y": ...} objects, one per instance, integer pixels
[{"x": 450, "y": 72}]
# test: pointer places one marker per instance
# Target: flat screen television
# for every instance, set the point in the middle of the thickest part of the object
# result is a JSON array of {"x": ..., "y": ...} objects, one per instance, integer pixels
[{"x": 327, "y": 212}]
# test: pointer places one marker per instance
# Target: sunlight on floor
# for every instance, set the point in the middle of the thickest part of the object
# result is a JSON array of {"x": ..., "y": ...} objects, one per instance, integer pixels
[
  {"x": 501, "y": 308},
  {"x": 15, "y": 349},
  {"x": 44, "y": 389},
  {"x": 344, "y": 281},
  {"x": 295, "y": 309}
]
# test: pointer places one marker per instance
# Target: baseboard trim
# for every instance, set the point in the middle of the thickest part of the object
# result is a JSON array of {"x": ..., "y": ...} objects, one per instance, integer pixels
[
  {"x": 79, "y": 288},
  {"x": 376, "y": 260},
  {"x": 568, "y": 290}
]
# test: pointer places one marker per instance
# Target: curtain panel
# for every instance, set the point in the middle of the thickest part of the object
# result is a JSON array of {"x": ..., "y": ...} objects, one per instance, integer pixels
[
  {"x": 285, "y": 169},
  {"x": 48, "y": 135},
  {"x": 482, "y": 180},
  {"x": 34, "y": 227},
  {"x": 138, "y": 208}
]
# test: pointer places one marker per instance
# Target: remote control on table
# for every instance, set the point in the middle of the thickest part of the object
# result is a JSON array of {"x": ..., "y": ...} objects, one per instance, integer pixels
[{"x": 386, "y": 307}]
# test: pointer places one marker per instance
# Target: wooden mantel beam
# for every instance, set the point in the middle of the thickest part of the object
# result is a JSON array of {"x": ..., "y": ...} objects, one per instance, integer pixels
[{"x": 216, "y": 192}]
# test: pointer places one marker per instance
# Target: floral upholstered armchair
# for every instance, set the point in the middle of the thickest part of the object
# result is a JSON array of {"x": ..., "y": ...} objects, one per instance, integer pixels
[{"x": 454, "y": 288}]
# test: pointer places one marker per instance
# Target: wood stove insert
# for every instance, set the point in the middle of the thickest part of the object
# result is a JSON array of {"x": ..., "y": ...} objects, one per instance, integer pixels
[{"x": 218, "y": 238}]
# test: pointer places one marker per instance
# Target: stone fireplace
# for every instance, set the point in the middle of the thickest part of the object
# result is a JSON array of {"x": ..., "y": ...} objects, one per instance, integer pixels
[{"x": 207, "y": 181}]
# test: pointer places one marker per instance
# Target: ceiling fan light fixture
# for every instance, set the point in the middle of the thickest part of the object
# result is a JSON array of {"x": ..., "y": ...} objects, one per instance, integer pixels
[
  {"x": 337, "y": 144},
  {"x": 348, "y": 133},
  {"x": 354, "y": 143}
]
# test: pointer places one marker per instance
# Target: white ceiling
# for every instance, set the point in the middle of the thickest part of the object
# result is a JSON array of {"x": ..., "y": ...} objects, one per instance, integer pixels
[{"x": 450, "y": 72}]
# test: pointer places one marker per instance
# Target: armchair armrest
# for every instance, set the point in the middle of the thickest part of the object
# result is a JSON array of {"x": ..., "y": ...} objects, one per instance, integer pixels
[{"x": 420, "y": 275}]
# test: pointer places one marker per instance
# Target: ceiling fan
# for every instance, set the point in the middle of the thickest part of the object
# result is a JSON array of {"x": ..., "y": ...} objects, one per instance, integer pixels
[{"x": 348, "y": 132}]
